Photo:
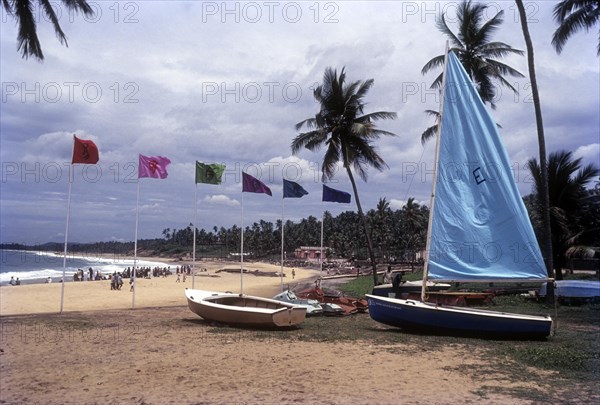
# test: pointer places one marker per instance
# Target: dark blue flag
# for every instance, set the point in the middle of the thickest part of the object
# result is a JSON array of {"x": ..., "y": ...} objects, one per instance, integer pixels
[
  {"x": 333, "y": 195},
  {"x": 292, "y": 189}
]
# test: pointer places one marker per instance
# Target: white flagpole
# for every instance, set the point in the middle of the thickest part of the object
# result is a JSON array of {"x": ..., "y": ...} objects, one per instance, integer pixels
[
  {"x": 137, "y": 212},
  {"x": 282, "y": 226},
  {"x": 321, "y": 255},
  {"x": 62, "y": 287},
  {"x": 194, "y": 239},
  {"x": 242, "y": 251}
]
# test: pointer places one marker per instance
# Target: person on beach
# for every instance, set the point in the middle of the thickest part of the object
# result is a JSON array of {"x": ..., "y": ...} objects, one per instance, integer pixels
[
  {"x": 131, "y": 280},
  {"x": 178, "y": 280},
  {"x": 18, "y": 282},
  {"x": 12, "y": 281},
  {"x": 387, "y": 277},
  {"x": 119, "y": 281}
]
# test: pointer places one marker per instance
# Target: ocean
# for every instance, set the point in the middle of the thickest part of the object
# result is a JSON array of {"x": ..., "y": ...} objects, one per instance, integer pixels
[{"x": 36, "y": 266}]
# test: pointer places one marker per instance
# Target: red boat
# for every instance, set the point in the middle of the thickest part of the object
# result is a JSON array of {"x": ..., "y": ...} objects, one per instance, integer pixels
[{"x": 350, "y": 305}]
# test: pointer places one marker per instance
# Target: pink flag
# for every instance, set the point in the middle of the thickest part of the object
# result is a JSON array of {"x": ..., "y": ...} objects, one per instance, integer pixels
[{"x": 153, "y": 166}]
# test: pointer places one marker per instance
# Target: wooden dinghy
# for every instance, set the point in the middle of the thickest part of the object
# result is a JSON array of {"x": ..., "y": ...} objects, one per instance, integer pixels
[{"x": 246, "y": 310}]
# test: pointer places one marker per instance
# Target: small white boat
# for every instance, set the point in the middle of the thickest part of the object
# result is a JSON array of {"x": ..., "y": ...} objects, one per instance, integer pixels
[
  {"x": 246, "y": 310},
  {"x": 313, "y": 307},
  {"x": 574, "y": 289}
]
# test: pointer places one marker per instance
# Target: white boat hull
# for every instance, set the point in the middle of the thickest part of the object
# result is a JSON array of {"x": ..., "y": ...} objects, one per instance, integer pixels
[
  {"x": 244, "y": 310},
  {"x": 579, "y": 289}
]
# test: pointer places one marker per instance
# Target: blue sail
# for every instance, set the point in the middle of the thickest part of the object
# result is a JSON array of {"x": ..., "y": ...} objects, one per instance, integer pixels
[{"x": 480, "y": 228}]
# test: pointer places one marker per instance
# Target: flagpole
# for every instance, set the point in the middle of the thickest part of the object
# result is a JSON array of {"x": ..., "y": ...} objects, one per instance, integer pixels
[
  {"x": 242, "y": 251},
  {"x": 282, "y": 226},
  {"x": 137, "y": 211},
  {"x": 62, "y": 287},
  {"x": 435, "y": 168},
  {"x": 194, "y": 238},
  {"x": 321, "y": 255}
]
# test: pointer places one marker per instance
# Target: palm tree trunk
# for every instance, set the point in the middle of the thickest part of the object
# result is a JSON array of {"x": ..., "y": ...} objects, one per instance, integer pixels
[
  {"x": 365, "y": 226},
  {"x": 544, "y": 197}
]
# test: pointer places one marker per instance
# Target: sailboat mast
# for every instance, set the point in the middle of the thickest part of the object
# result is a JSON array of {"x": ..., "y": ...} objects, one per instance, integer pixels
[{"x": 433, "y": 183}]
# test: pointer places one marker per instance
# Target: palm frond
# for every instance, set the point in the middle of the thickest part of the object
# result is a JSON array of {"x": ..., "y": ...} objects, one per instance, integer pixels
[
  {"x": 309, "y": 140},
  {"x": 484, "y": 33},
  {"x": 28, "y": 42},
  {"x": 7, "y": 7},
  {"x": 330, "y": 161},
  {"x": 574, "y": 16},
  {"x": 376, "y": 116},
  {"x": 429, "y": 133},
  {"x": 433, "y": 63},
  {"x": 49, "y": 11},
  {"x": 79, "y": 5}
]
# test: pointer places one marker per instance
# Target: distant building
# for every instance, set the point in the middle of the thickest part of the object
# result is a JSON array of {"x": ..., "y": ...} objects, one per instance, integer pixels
[{"x": 309, "y": 252}]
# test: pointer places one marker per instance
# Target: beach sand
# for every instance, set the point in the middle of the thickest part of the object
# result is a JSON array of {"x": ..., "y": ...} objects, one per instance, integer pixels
[
  {"x": 102, "y": 351},
  {"x": 154, "y": 292}
]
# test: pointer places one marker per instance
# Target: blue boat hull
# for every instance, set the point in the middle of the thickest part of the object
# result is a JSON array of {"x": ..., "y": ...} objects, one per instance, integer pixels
[{"x": 438, "y": 319}]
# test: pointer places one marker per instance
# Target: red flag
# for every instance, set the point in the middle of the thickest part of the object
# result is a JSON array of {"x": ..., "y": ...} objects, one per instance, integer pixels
[{"x": 85, "y": 152}]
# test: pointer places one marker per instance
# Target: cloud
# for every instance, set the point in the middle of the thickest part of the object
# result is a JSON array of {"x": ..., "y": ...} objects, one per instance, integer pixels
[
  {"x": 221, "y": 199},
  {"x": 228, "y": 87}
]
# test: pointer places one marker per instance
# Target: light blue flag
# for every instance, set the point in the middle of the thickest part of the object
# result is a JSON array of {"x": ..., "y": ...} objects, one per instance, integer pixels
[{"x": 480, "y": 227}]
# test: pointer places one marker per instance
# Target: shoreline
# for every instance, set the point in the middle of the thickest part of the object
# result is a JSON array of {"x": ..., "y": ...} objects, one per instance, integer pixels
[{"x": 44, "y": 298}]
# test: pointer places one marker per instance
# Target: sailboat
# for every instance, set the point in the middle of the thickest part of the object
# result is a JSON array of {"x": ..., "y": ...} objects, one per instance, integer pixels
[
  {"x": 242, "y": 309},
  {"x": 478, "y": 231}
]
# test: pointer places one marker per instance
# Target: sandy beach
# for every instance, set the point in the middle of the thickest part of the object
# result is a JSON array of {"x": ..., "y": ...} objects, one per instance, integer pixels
[
  {"x": 102, "y": 351},
  {"x": 154, "y": 292}
]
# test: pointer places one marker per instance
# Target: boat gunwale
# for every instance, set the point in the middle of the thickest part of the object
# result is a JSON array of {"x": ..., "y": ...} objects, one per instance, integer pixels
[{"x": 466, "y": 311}]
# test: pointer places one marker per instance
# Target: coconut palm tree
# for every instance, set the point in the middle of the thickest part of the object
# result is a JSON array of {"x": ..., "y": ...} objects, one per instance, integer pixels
[
  {"x": 347, "y": 134},
  {"x": 542, "y": 190},
  {"x": 566, "y": 189},
  {"x": 28, "y": 42},
  {"x": 572, "y": 16},
  {"x": 479, "y": 55}
]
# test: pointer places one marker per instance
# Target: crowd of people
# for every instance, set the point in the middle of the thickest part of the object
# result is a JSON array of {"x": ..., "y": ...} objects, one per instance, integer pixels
[{"x": 116, "y": 278}]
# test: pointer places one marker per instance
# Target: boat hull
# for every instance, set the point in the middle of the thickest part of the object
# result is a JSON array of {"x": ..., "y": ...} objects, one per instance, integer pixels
[
  {"x": 576, "y": 290},
  {"x": 313, "y": 308},
  {"x": 428, "y": 317},
  {"x": 243, "y": 310}
]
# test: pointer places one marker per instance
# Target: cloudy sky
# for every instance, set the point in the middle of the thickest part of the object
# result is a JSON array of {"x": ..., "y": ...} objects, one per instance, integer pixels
[{"x": 226, "y": 82}]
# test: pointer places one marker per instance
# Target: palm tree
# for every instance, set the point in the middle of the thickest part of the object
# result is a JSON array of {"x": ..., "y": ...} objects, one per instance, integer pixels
[
  {"x": 414, "y": 226},
  {"x": 566, "y": 188},
  {"x": 572, "y": 16},
  {"x": 543, "y": 195},
  {"x": 22, "y": 11},
  {"x": 347, "y": 133},
  {"x": 477, "y": 53}
]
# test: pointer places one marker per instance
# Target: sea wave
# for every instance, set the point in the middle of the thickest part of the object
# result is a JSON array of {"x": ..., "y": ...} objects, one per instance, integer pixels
[{"x": 52, "y": 265}]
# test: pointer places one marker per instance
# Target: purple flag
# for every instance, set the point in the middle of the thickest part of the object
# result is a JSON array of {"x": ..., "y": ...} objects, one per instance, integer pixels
[
  {"x": 253, "y": 185},
  {"x": 153, "y": 166}
]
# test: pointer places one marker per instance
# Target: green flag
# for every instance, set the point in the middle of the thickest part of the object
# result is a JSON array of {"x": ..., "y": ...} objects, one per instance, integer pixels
[{"x": 210, "y": 174}]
